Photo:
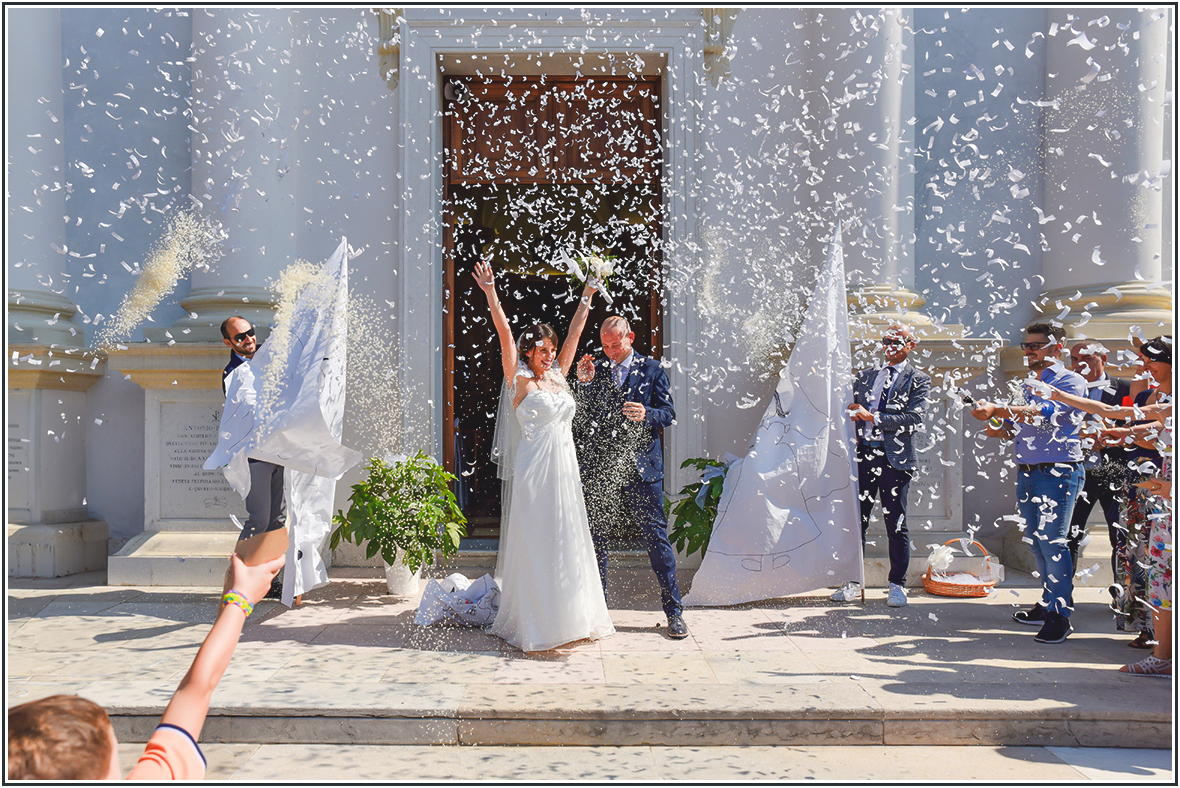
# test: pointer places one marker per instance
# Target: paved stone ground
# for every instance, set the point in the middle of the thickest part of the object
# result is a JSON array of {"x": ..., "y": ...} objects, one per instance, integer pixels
[
  {"x": 279, "y": 762},
  {"x": 347, "y": 674}
]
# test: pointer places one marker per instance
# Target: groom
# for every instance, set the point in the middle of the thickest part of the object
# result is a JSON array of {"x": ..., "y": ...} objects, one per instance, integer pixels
[{"x": 623, "y": 400}]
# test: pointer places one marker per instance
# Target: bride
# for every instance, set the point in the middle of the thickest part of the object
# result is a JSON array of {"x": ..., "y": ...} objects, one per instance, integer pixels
[{"x": 550, "y": 590}]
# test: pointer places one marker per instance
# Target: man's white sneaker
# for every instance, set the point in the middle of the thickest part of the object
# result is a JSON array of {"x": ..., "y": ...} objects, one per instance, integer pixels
[
  {"x": 897, "y": 596},
  {"x": 847, "y": 592}
]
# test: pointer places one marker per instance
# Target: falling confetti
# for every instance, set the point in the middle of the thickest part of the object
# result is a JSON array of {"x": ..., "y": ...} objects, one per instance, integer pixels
[{"x": 998, "y": 164}]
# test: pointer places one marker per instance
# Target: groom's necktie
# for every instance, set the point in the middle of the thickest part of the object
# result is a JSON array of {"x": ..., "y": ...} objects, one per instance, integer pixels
[
  {"x": 880, "y": 403},
  {"x": 885, "y": 379},
  {"x": 618, "y": 375}
]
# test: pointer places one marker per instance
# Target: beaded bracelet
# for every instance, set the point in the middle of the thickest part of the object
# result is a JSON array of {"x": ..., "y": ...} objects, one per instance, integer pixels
[{"x": 236, "y": 598}]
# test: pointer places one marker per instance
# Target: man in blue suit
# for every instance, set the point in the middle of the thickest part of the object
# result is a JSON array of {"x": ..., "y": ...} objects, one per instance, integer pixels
[
  {"x": 623, "y": 402},
  {"x": 888, "y": 406}
]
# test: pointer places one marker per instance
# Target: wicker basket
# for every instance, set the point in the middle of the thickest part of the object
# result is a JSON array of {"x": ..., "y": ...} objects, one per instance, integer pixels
[{"x": 932, "y": 583}]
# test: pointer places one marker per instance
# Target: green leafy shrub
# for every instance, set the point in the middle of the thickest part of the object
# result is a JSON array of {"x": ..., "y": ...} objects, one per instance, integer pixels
[
  {"x": 692, "y": 517},
  {"x": 405, "y": 509}
]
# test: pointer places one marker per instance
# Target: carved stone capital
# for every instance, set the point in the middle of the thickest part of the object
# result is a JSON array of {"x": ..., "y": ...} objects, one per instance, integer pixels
[
  {"x": 187, "y": 365},
  {"x": 873, "y": 308},
  {"x": 718, "y": 27},
  {"x": 209, "y": 306},
  {"x": 389, "y": 45},
  {"x": 35, "y": 366},
  {"x": 1110, "y": 311},
  {"x": 40, "y": 316}
]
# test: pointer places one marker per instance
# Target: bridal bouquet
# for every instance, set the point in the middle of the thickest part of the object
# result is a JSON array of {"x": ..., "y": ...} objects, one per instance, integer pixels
[
  {"x": 599, "y": 266},
  {"x": 593, "y": 266}
]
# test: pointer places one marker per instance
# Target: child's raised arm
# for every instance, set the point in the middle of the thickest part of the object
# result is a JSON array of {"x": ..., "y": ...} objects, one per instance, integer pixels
[{"x": 190, "y": 704}]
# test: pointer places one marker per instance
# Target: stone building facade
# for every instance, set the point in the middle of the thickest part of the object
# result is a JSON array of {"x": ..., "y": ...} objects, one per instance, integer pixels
[{"x": 989, "y": 166}]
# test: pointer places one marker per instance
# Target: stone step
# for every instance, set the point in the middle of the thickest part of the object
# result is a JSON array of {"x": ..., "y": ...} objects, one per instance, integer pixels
[
  {"x": 194, "y": 559},
  {"x": 197, "y": 559},
  {"x": 831, "y": 712},
  {"x": 56, "y": 549},
  {"x": 349, "y": 666},
  {"x": 1094, "y": 562}
]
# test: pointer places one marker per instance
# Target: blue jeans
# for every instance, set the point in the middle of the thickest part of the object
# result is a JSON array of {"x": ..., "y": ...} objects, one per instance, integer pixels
[{"x": 1045, "y": 497}]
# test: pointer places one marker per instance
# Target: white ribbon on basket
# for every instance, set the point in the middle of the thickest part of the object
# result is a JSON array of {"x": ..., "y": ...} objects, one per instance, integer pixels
[{"x": 947, "y": 567}]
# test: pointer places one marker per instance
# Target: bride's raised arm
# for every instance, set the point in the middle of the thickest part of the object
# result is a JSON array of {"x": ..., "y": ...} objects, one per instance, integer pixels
[
  {"x": 568, "y": 348},
  {"x": 487, "y": 282}
]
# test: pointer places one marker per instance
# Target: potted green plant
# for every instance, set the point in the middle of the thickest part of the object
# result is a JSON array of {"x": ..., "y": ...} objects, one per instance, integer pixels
[
  {"x": 404, "y": 509},
  {"x": 693, "y": 515}
]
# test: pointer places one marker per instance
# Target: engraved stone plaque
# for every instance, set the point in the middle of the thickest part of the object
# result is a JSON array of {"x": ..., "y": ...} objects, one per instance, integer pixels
[
  {"x": 188, "y": 433},
  {"x": 20, "y": 442}
]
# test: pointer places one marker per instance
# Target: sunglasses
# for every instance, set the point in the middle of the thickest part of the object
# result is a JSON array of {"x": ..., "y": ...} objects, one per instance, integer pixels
[
  {"x": 892, "y": 342},
  {"x": 1033, "y": 345},
  {"x": 239, "y": 338}
]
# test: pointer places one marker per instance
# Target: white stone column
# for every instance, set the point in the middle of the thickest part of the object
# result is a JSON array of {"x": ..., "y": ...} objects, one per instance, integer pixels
[
  {"x": 861, "y": 95},
  {"x": 37, "y": 183},
  {"x": 1106, "y": 140},
  {"x": 858, "y": 75},
  {"x": 49, "y": 370},
  {"x": 245, "y": 121},
  {"x": 860, "y": 88}
]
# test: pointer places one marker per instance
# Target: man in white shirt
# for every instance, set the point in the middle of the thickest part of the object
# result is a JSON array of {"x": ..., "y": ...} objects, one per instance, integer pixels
[
  {"x": 888, "y": 406},
  {"x": 264, "y": 534}
]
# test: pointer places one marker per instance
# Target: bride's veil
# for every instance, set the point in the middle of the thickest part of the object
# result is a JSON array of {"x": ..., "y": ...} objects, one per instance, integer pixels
[{"x": 505, "y": 439}]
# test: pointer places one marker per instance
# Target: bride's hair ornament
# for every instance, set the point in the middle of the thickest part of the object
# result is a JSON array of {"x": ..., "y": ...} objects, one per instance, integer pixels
[{"x": 534, "y": 336}]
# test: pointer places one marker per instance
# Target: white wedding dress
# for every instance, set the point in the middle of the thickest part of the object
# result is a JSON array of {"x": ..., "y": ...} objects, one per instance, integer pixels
[{"x": 550, "y": 590}]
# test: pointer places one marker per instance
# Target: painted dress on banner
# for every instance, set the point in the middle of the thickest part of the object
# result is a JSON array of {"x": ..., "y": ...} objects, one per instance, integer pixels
[{"x": 788, "y": 520}]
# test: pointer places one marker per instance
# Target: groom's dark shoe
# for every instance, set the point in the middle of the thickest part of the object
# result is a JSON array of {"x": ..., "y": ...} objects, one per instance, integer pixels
[{"x": 677, "y": 629}]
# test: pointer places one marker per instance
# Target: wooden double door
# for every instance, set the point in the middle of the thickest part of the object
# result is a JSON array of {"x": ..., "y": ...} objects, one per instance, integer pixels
[{"x": 534, "y": 166}]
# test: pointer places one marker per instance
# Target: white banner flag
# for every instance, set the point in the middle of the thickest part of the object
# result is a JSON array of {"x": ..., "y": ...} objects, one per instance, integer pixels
[
  {"x": 788, "y": 520},
  {"x": 305, "y": 361}
]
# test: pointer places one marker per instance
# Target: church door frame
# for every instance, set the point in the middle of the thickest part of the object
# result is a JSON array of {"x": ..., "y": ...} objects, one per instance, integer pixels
[{"x": 421, "y": 230}]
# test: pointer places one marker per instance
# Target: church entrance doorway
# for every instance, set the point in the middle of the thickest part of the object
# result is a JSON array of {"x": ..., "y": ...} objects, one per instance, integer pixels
[{"x": 535, "y": 166}]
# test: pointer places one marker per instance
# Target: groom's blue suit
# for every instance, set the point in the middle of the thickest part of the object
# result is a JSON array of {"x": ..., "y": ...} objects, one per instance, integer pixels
[{"x": 622, "y": 463}]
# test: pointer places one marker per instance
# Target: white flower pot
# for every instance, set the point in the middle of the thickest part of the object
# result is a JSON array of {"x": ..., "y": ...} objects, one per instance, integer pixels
[{"x": 400, "y": 580}]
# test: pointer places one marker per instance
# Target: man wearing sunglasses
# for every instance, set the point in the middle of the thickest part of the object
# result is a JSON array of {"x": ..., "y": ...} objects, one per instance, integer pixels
[
  {"x": 1046, "y": 435},
  {"x": 264, "y": 534},
  {"x": 888, "y": 406},
  {"x": 239, "y": 335}
]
